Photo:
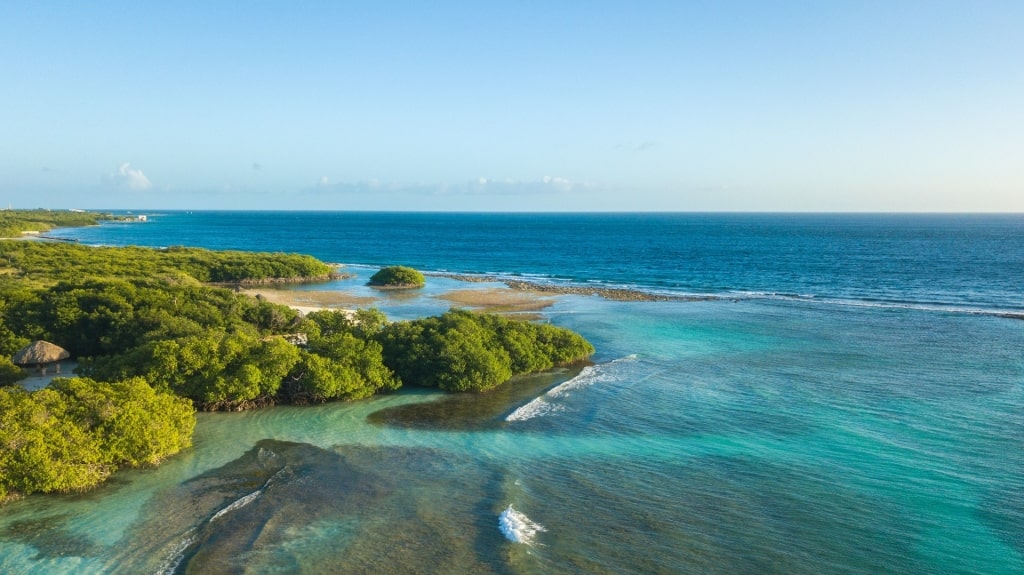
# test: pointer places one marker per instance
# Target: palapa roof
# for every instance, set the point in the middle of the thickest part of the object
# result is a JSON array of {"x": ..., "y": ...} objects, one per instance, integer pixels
[{"x": 40, "y": 352}]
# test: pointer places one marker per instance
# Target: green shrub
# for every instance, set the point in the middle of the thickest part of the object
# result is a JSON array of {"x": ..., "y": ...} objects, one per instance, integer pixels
[
  {"x": 465, "y": 351},
  {"x": 398, "y": 276},
  {"x": 72, "y": 435}
]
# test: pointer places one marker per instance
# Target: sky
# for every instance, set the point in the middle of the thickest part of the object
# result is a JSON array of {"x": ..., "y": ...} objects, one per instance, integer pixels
[{"x": 513, "y": 106}]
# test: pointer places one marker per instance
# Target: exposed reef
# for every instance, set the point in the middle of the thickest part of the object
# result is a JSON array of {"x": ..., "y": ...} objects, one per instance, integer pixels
[{"x": 616, "y": 294}]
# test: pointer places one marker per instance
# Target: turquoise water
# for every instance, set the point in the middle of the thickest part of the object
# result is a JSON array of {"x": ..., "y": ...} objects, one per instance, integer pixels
[{"x": 821, "y": 416}]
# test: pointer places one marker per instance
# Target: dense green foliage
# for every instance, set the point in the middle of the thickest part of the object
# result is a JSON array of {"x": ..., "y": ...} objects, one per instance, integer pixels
[
  {"x": 100, "y": 317},
  {"x": 73, "y": 434},
  {"x": 398, "y": 276},
  {"x": 341, "y": 360},
  {"x": 13, "y": 222},
  {"x": 55, "y": 261},
  {"x": 150, "y": 322},
  {"x": 10, "y": 373},
  {"x": 217, "y": 370},
  {"x": 223, "y": 350},
  {"x": 465, "y": 351}
]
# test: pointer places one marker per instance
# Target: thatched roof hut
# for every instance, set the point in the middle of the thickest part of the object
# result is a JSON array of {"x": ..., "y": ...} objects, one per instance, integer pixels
[{"x": 40, "y": 353}]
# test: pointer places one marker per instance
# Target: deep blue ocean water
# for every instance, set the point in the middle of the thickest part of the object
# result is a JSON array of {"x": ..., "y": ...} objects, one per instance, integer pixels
[{"x": 848, "y": 401}]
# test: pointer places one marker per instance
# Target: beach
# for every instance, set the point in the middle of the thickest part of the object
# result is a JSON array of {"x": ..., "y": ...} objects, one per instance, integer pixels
[{"x": 486, "y": 299}]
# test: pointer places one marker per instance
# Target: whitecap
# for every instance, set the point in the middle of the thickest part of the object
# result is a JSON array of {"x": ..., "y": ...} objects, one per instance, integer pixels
[
  {"x": 517, "y": 527},
  {"x": 588, "y": 376},
  {"x": 535, "y": 408}
]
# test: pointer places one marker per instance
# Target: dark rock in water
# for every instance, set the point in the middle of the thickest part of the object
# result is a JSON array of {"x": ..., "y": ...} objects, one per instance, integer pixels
[
  {"x": 297, "y": 508},
  {"x": 250, "y": 503},
  {"x": 610, "y": 293}
]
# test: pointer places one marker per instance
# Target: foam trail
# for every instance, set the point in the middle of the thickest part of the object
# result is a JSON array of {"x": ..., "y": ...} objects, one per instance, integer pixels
[
  {"x": 517, "y": 527},
  {"x": 588, "y": 376},
  {"x": 177, "y": 554},
  {"x": 1010, "y": 312},
  {"x": 237, "y": 504},
  {"x": 535, "y": 408},
  {"x": 243, "y": 501}
]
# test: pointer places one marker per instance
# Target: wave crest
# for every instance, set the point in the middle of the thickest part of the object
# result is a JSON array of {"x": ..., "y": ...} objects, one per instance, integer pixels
[
  {"x": 517, "y": 527},
  {"x": 590, "y": 375}
]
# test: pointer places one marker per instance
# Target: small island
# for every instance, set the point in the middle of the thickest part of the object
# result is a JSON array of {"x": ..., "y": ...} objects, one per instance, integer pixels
[{"x": 397, "y": 277}]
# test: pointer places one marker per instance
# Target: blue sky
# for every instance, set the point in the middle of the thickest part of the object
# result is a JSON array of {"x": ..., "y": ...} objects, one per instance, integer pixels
[{"x": 682, "y": 106}]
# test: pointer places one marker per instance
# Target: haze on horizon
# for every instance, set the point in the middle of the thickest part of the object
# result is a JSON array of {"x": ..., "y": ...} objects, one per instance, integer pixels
[{"x": 512, "y": 106}]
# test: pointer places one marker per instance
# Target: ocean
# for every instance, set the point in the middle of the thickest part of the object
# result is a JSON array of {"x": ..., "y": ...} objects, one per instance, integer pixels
[{"x": 844, "y": 395}]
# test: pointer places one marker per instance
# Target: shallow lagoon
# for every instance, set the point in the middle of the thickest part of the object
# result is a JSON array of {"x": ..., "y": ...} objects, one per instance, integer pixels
[{"x": 710, "y": 437}]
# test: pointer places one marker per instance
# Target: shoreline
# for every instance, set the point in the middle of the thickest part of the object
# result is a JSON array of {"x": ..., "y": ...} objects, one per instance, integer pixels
[{"x": 310, "y": 301}]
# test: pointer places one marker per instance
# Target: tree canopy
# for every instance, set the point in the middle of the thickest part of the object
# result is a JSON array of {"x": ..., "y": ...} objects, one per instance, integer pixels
[
  {"x": 73, "y": 434},
  {"x": 155, "y": 340},
  {"x": 466, "y": 351},
  {"x": 14, "y": 222},
  {"x": 398, "y": 276},
  {"x": 51, "y": 261}
]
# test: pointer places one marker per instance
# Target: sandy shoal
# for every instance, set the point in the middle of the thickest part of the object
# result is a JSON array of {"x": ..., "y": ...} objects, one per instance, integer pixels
[
  {"x": 498, "y": 300},
  {"x": 310, "y": 300}
]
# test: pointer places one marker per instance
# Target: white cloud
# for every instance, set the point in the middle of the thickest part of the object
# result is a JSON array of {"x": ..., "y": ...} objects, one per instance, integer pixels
[
  {"x": 128, "y": 177},
  {"x": 480, "y": 186},
  {"x": 508, "y": 186}
]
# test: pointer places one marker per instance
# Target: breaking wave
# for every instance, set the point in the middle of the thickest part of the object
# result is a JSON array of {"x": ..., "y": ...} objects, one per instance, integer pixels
[
  {"x": 517, "y": 527},
  {"x": 590, "y": 375}
]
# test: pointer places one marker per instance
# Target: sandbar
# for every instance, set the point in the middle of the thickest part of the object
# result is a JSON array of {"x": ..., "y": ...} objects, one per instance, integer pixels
[
  {"x": 307, "y": 301},
  {"x": 498, "y": 300}
]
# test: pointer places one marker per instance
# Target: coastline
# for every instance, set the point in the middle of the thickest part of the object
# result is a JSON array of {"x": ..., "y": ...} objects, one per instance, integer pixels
[{"x": 501, "y": 300}]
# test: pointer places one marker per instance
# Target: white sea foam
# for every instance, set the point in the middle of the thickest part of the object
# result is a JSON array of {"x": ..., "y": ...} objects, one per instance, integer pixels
[
  {"x": 245, "y": 500},
  {"x": 590, "y": 375},
  {"x": 536, "y": 408},
  {"x": 177, "y": 554},
  {"x": 937, "y": 307},
  {"x": 517, "y": 527},
  {"x": 237, "y": 504}
]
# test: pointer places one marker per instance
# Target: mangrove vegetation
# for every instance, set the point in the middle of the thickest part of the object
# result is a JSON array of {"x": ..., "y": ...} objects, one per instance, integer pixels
[
  {"x": 14, "y": 223},
  {"x": 397, "y": 277},
  {"x": 157, "y": 334}
]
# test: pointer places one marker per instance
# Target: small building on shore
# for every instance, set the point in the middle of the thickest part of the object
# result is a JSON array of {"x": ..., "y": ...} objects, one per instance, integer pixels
[{"x": 41, "y": 355}]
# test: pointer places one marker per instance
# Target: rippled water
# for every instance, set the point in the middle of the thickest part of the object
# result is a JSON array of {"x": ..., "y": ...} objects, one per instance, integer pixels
[{"x": 761, "y": 435}]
